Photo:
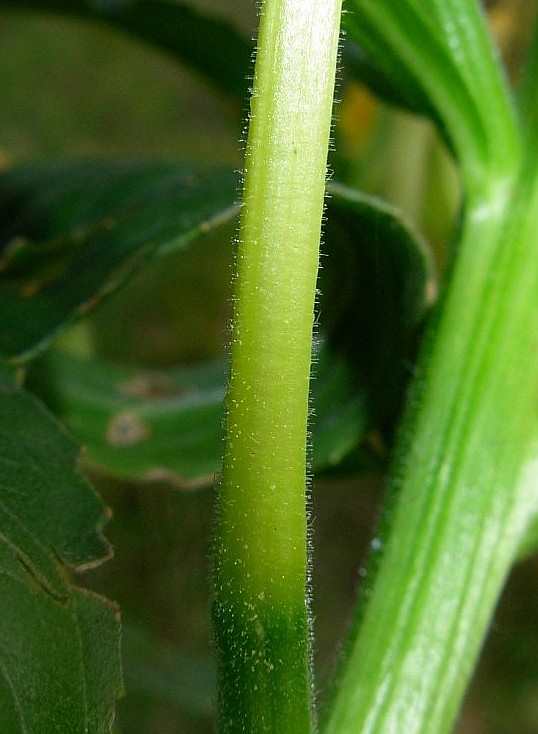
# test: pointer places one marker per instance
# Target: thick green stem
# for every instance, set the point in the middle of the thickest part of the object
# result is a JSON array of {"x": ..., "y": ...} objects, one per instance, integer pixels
[
  {"x": 462, "y": 507},
  {"x": 260, "y": 611}
]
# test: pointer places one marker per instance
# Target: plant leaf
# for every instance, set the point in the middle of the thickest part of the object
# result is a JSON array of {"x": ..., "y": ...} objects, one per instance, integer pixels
[
  {"x": 59, "y": 645},
  {"x": 72, "y": 233},
  {"x": 376, "y": 284},
  {"x": 404, "y": 91},
  {"x": 146, "y": 424},
  {"x": 166, "y": 424},
  {"x": 208, "y": 45},
  {"x": 160, "y": 671}
]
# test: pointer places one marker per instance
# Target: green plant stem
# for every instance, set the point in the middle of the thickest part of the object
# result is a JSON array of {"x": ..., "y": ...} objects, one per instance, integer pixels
[
  {"x": 461, "y": 507},
  {"x": 260, "y": 610},
  {"x": 456, "y": 69}
]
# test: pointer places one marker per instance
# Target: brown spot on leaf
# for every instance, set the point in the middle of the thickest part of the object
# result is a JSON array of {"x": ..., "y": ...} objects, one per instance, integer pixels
[
  {"x": 126, "y": 429},
  {"x": 150, "y": 386}
]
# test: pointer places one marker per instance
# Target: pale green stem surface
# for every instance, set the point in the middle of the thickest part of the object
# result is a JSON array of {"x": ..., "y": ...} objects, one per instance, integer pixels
[
  {"x": 463, "y": 504},
  {"x": 260, "y": 611}
]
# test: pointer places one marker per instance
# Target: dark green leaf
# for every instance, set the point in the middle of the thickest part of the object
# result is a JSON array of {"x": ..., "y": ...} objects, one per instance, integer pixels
[
  {"x": 339, "y": 406},
  {"x": 59, "y": 645},
  {"x": 157, "y": 670},
  {"x": 376, "y": 282},
  {"x": 72, "y": 233},
  {"x": 208, "y": 45},
  {"x": 374, "y": 70}
]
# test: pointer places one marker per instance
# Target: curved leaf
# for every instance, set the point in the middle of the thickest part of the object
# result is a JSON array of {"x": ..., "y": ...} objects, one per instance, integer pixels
[
  {"x": 148, "y": 424},
  {"x": 376, "y": 283},
  {"x": 59, "y": 645},
  {"x": 72, "y": 233},
  {"x": 208, "y": 45}
]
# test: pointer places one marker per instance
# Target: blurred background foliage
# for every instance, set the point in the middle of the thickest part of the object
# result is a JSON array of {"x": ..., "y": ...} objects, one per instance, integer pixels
[{"x": 72, "y": 89}]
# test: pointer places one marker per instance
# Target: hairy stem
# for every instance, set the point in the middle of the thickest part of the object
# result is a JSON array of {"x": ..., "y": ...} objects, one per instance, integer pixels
[
  {"x": 260, "y": 610},
  {"x": 463, "y": 505}
]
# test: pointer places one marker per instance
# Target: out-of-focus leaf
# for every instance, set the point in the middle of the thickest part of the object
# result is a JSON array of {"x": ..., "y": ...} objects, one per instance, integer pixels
[
  {"x": 150, "y": 424},
  {"x": 161, "y": 672},
  {"x": 208, "y": 45},
  {"x": 339, "y": 403},
  {"x": 59, "y": 645},
  {"x": 402, "y": 91},
  {"x": 376, "y": 283},
  {"x": 72, "y": 233},
  {"x": 167, "y": 424}
]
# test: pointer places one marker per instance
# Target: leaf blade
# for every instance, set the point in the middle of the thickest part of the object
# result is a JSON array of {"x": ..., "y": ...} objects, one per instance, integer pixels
[
  {"x": 56, "y": 673},
  {"x": 73, "y": 233}
]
